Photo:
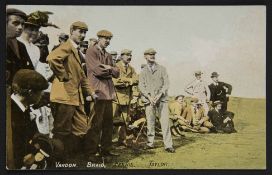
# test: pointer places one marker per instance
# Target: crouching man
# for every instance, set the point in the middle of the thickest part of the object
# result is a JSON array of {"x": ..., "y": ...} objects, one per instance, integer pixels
[
  {"x": 195, "y": 115},
  {"x": 222, "y": 121},
  {"x": 27, "y": 89}
]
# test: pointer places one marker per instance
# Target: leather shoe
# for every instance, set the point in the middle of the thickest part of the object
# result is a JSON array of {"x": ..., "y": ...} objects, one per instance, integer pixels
[{"x": 170, "y": 150}]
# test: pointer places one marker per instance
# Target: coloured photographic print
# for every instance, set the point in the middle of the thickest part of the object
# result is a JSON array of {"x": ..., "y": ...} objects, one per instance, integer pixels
[{"x": 135, "y": 87}]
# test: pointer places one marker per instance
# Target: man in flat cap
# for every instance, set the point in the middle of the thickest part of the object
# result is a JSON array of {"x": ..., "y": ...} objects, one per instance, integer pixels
[
  {"x": 196, "y": 118},
  {"x": 124, "y": 86},
  {"x": 101, "y": 70},
  {"x": 114, "y": 57},
  {"x": 220, "y": 91},
  {"x": 93, "y": 41},
  {"x": 69, "y": 88},
  {"x": 27, "y": 88},
  {"x": 199, "y": 89},
  {"x": 222, "y": 120},
  {"x": 17, "y": 58},
  {"x": 62, "y": 39},
  {"x": 154, "y": 84}
]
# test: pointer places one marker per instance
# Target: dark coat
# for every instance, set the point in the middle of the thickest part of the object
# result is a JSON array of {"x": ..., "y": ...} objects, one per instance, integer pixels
[
  {"x": 217, "y": 119},
  {"x": 23, "y": 129},
  {"x": 219, "y": 92},
  {"x": 15, "y": 62}
]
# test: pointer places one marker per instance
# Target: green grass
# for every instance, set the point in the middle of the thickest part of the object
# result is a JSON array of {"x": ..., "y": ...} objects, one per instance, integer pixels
[{"x": 243, "y": 150}]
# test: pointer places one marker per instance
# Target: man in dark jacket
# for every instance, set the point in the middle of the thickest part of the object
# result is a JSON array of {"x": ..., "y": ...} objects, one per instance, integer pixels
[
  {"x": 219, "y": 92},
  {"x": 27, "y": 89},
  {"x": 17, "y": 56},
  {"x": 222, "y": 121}
]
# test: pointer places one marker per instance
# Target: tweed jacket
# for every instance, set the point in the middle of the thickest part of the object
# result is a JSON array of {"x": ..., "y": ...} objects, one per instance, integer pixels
[
  {"x": 124, "y": 83},
  {"x": 100, "y": 79},
  {"x": 154, "y": 82},
  {"x": 70, "y": 84}
]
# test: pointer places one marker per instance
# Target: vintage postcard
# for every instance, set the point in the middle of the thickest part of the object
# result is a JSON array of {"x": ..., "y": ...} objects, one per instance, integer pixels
[{"x": 135, "y": 87}]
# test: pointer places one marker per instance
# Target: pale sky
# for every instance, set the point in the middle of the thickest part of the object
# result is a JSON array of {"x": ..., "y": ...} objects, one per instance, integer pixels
[{"x": 227, "y": 39}]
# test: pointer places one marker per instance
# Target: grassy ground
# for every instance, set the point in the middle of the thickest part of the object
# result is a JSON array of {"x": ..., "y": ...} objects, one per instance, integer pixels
[{"x": 243, "y": 150}]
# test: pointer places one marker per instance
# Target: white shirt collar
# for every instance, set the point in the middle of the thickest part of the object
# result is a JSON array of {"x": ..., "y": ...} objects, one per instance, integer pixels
[
  {"x": 215, "y": 83},
  {"x": 18, "y": 102}
]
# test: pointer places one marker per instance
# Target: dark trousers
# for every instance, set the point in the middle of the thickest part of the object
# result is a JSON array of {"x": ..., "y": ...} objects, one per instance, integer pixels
[
  {"x": 21, "y": 135},
  {"x": 70, "y": 122},
  {"x": 63, "y": 115},
  {"x": 101, "y": 127}
]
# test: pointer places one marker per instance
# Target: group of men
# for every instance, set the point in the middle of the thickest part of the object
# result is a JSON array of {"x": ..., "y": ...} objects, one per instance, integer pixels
[
  {"x": 206, "y": 110},
  {"x": 89, "y": 89}
]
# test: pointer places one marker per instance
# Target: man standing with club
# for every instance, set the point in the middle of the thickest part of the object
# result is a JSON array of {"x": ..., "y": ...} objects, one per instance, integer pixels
[{"x": 154, "y": 84}]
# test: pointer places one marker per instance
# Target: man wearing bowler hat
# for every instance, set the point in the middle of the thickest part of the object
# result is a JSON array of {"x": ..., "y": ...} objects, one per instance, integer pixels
[
  {"x": 101, "y": 70},
  {"x": 154, "y": 84},
  {"x": 220, "y": 91},
  {"x": 69, "y": 88},
  {"x": 222, "y": 120}
]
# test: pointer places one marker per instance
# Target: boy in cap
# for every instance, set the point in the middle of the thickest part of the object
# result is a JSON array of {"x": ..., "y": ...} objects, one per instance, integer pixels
[
  {"x": 101, "y": 70},
  {"x": 200, "y": 90},
  {"x": 27, "y": 88},
  {"x": 69, "y": 88},
  {"x": 17, "y": 56},
  {"x": 123, "y": 85},
  {"x": 220, "y": 91},
  {"x": 154, "y": 84},
  {"x": 222, "y": 120}
]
